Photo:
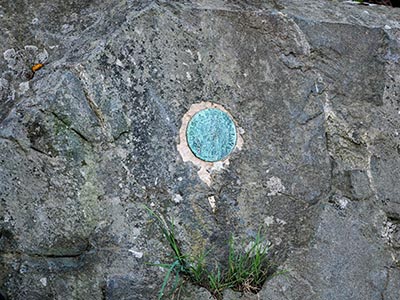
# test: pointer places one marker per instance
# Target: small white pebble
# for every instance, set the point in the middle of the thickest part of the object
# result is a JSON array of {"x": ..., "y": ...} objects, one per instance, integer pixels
[
  {"x": 177, "y": 198},
  {"x": 282, "y": 222},
  {"x": 212, "y": 202},
  {"x": 189, "y": 51},
  {"x": 269, "y": 220},
  {"x": 43, "y": 281},
  {"x": 343, "y": 203},
  {"x": 136, "y": 254}
]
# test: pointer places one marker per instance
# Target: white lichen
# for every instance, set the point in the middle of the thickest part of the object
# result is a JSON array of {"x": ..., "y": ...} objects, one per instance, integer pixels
[
  {"x": 387, "y": 231},
  {"x": 9, "y": 54},
  {"x": 275, "y": 186}
]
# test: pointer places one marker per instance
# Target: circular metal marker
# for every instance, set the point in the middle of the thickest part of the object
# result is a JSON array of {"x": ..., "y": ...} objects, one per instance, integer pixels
[{"x": 211, "y": 134}]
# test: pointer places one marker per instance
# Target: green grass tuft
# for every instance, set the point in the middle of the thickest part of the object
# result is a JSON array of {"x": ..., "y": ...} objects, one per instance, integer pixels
[{"x": 246, "y": 270}]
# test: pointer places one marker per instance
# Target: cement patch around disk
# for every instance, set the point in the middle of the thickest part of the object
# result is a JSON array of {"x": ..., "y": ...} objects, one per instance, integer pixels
[{"x": 205, "y": 168}]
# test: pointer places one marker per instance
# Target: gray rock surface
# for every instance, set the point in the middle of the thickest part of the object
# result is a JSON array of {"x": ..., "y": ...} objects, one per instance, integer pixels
[{"x": 92, "y": 136}]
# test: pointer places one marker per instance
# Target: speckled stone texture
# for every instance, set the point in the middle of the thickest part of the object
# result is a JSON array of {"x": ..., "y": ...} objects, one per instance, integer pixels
[{"x": 92, "y": 136}]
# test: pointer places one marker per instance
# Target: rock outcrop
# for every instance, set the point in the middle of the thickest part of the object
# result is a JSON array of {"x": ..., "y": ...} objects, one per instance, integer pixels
[{"x": 91, "y": 137}]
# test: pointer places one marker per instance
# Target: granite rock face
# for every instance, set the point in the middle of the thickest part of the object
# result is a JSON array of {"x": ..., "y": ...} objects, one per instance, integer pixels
[{"x": 92, "y": 136}]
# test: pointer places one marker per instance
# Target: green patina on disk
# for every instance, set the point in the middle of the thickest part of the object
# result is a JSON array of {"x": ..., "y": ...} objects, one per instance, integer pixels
[{"x": 211, "y": 134}]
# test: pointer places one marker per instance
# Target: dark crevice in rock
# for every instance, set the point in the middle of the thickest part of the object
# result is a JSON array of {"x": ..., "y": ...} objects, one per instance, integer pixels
[
  {"x": 14, "y": 140},
  {"x": 3, "y": 296},
  {"x": 311, "y": 118},
  {"x": 80, "y": 135},
  {"x": 393, "y": 217},
  {"x": 71, "y": 128},
  {"x": 103, "y": 291},
  {"x": 120, "y": 135},
  {"x": 36, "y": 255},
  {"x": 387, "y": 279},
  {"x": 78, "y": 254},
  {"x": 60, "y": 256},
  {"x": 41, "y": 151},
  {"x": 277, "y": 5}
]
